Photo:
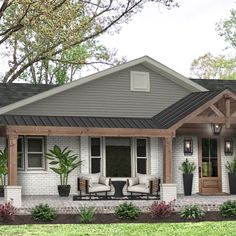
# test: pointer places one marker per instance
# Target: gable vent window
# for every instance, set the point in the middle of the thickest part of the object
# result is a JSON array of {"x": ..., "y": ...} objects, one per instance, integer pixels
[{"x": 139, "y": 81}]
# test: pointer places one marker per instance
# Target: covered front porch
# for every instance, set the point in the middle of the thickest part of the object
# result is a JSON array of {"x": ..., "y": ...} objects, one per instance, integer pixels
[{"x": 191, "y": 118}]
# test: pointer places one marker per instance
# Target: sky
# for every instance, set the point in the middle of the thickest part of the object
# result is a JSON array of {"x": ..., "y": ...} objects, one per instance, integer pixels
[{"x": 173, "y": 37}]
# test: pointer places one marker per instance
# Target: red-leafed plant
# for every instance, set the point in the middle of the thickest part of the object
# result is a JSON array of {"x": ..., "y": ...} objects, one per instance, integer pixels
[
  {"x": 7, "y": 211},
  {"x": 161, "y": 209}
]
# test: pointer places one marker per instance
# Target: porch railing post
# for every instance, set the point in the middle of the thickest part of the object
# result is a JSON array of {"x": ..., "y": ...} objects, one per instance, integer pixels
[
  {"x": 12, "y": 192},
  {"x": 167, "y": 163},
  {"x": 168, "y": 189},
  {"x": 12, "y": 160}
]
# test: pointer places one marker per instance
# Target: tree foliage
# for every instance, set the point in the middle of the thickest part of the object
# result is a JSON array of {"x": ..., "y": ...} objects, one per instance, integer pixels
[
  {"x": 214, "y": 67},
  {"x": 45, "y": 39},
  {"x": 221, "y": 66}
]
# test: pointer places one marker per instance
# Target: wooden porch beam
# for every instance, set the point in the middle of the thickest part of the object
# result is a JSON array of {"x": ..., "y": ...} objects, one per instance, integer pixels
[
  {"x": 208, "y": 120},
  {"x": 216, "y": 110},
  {"x": 227, "y": 109},
  {"x": 12, "y": 160},
  {"x": 80, "y": 131},
  {"x": 167, "y": 162}
]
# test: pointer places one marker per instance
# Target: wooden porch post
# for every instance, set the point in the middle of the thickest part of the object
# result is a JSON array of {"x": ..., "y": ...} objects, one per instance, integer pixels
[
  {"x": 167, "y": 162},
  {"x": 12, "y": 160}
]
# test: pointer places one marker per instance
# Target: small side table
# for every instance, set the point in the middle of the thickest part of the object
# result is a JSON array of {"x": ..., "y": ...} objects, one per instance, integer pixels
[{"x": 118, "y": 185}]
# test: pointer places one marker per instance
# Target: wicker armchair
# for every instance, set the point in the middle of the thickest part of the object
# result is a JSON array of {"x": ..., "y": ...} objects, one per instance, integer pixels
[
  {"x": 144, "y": 184},
  {"x": 93, "y": 184}
]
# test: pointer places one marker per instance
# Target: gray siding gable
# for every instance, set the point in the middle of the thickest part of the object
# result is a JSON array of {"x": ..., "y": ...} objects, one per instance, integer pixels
[{"x": 110, "y": 96}]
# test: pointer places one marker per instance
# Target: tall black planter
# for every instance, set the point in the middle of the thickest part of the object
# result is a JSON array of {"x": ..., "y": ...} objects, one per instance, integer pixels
[
  {"x": 232, "y": 183},
  {"x": 188, "y": 183},
  {"x": 63, "y": 190}
]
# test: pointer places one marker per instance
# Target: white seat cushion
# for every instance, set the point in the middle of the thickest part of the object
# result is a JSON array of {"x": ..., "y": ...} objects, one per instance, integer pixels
[
  {"x": 99, "y": 188},
  {"x": 103, "y": 180},
  {"x": 133, "y": 181},
  {"x": 144, "y": 179},
  {"x": 138, "y": 188}
]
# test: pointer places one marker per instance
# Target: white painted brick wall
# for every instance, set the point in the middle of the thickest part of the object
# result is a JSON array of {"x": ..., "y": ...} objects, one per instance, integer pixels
[
  {"x": 154, "y": 162},
  {"x": 45, "y": 182},
  {"x": 178, "y": 158},
  {"x": 84, "y": 153},
  {"x": 224, "y": 171}
]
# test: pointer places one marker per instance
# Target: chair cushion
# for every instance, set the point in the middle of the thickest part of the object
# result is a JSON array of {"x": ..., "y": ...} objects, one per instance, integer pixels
[
  {"x": 138, "y": 188},
  {"x": 133, "y": 181},
  {"x": 103, "y": 180},
  {"x": 99, "y": 188},
  {"x": 93, "y": 177},
  {"x": 144, "y": 179}
]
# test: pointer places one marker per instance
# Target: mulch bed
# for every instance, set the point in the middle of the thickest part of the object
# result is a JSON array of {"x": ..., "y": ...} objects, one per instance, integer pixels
[{"x": 112, "y": 218}]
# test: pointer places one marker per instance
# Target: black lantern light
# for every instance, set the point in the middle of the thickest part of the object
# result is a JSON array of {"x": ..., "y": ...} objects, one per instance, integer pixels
[
  {"x": 228, "y": 147},
  {"x": 216, "y": 128},
  {"x": 188, "y": 146}
]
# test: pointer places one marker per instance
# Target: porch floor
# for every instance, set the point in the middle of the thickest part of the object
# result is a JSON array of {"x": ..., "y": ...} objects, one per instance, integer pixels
[{"x": 67, "y": 205}]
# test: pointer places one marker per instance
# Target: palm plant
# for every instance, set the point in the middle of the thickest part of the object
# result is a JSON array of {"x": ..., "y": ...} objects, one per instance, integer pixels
[
  {"x": 187, "y": 167},
  {"x": 231, "y": 166},
  {"x": 3, "y": 166},
  {"x": 64, "y": 161}
]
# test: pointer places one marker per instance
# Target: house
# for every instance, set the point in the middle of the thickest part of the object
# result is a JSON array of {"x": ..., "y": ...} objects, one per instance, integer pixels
[{"x": 133, "y": 118}]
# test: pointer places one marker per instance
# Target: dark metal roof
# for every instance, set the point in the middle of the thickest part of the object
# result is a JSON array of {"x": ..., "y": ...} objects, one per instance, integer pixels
[
  {"x": 68, "y": 121},
  {"x": 14, "y": 92},
  {"x": 171, "y": 115},
  {"x": 216, "y": 84}
]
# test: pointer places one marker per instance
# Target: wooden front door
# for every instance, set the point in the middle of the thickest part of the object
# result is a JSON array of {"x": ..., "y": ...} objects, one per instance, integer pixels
[{"x": 209, "y": 166}]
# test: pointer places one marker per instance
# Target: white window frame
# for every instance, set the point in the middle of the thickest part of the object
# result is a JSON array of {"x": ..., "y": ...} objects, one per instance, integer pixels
[
  {"x": 97, "y": 157},
  {"x": 133, "y": 76},
  {"x": 27, "y": 153},
  {"x": 146, "y": 157}
]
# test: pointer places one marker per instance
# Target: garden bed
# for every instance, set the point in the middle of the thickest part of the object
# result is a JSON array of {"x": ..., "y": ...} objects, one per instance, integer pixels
[{"x": 112, "y": 218}]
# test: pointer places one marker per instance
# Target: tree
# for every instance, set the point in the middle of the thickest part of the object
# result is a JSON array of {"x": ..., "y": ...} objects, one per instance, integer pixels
[
  {"x": 214, "y": 67},
  {"x": 221, "y": 66},
  {"x": 39, "y": 35}
]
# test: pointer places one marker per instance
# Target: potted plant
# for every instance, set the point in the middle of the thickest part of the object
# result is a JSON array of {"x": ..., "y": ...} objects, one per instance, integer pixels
[
  {"x": 188, "y": 168},
  {"x": 65, "y": 163},
  {"x": 3, "y": 170},
  {"x": 231, "y": 167}
]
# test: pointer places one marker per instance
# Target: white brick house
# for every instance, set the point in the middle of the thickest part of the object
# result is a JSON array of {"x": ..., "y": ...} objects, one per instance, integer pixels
[{"x": 132, "y": 118}]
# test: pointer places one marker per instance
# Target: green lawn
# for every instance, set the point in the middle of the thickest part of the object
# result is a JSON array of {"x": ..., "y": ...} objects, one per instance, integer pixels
[{"x": 181, "y": 229}]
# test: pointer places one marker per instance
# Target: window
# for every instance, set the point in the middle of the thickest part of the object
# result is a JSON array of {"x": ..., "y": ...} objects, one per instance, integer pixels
[
  {"x": 35, "y": 151},
  {"x": 30, "y": 153},
  {"x": 20, "y": 153},
  {"x": 95, "y": 155},
  {"x": 141, "y": 152},
  {"x": 139, "y": 81}
]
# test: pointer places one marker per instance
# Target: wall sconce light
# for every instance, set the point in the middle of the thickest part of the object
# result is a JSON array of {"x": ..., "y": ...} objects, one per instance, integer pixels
[
  {"x": 228, "y": 147},
  {"x": 188, "y": 146},
  {"x": 216, "y": 128}
]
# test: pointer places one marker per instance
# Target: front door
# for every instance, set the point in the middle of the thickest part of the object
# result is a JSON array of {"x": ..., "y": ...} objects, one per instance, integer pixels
[{"x": 209, "y": 166}]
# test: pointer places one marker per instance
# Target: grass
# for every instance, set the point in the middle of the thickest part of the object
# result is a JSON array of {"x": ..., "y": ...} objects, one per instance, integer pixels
[{"x": 181, "y": 229}]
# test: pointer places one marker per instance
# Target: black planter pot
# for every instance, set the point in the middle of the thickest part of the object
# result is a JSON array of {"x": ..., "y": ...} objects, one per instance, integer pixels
[
  {"x": 63, "y": 190},
  {"x": 188, "y": 183},
  {"x": 1, "y": 191},
  {"x": 232, "y": 183}
]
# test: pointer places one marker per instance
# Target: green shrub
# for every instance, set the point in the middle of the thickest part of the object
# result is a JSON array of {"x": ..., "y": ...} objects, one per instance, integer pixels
[
  {"x": 87, "y": 214},
  {"x": 127, "y": 211},
  {"x": 192, "y": 212},
  {"x": 228, "y": 208},
  {"x": 43, "y": 212}
]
